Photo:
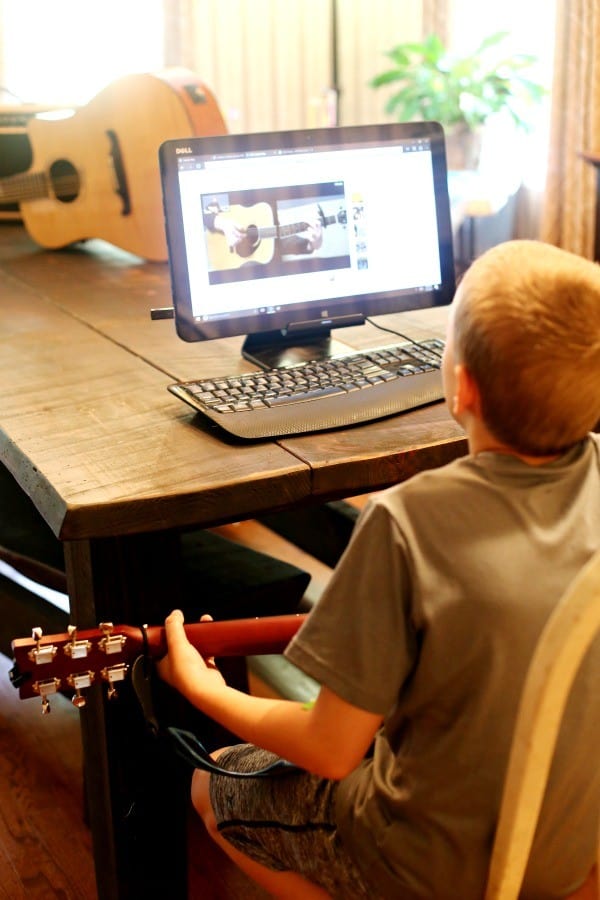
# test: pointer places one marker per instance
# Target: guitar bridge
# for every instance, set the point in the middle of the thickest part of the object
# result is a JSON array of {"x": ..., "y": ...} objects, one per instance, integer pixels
[{"x": 121, "y": 187}]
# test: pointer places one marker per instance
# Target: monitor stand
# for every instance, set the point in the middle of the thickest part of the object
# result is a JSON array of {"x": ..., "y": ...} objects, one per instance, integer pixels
[{"x": 298, "y": 343}]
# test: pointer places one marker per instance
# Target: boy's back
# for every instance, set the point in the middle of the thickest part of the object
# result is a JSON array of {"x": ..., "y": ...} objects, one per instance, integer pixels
[{"x": 487, "y": 546}]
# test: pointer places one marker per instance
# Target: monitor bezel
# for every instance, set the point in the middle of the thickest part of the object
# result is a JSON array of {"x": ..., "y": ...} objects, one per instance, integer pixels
[{"x": 348, "y": 307}]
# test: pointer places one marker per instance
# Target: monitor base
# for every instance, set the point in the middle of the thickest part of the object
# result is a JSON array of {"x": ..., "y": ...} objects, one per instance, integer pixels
[{"x": 297, "y": 345}]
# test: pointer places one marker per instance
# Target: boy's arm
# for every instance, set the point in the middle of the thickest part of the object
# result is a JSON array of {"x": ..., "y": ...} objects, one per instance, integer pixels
[{"x": 329, "y": 739}]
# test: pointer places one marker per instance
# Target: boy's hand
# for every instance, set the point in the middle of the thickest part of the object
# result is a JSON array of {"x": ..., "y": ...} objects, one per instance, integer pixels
[{"x": 183, "y": 667}]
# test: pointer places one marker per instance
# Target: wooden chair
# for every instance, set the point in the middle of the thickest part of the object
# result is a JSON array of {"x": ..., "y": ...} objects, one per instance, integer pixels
[{"x": 563, "y": 644}]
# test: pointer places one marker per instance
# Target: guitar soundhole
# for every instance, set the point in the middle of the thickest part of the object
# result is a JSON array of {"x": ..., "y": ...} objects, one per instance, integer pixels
[
  {"x": 251, "y": 241},
  {"x": 65, "y": 180}
]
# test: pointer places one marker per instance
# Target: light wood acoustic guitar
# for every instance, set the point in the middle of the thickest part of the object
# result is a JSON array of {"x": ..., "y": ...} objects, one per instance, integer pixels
[
  {"x": 260, "y": 235},
  {"x": 95, "y": 174},
  {"x": 46, "y": 664}
]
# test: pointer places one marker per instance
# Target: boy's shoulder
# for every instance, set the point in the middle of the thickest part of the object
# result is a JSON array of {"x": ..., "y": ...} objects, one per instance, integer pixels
[
  {"x": 482, "y": 472},
  {"x": 457, "y": 472},
  {"x": 425, "y": 492}
]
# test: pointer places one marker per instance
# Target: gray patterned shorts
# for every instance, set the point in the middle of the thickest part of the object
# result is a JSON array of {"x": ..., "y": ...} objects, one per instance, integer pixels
[{"x": 285, "y": 822}]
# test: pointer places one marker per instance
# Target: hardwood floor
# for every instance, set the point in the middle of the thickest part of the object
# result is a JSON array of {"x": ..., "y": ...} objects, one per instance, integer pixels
[{"x": 45, "y": 845}]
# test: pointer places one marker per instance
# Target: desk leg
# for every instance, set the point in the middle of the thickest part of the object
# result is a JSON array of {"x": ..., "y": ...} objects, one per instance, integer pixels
[{"x": 137, "y": 795}]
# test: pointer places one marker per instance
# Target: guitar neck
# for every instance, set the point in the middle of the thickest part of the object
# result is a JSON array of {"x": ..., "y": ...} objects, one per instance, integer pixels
[
  {"x": 279, "y": 231},
  {"x": 25, "y": 186},
  {"x": 234, "y": 637}
]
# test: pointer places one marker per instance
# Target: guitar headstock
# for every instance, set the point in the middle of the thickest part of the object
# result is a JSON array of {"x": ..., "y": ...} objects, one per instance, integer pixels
[
  {"x": 339, "y": 217},
  {"x": 75, "y": 659},
  {"x": 46, "y": 664}
]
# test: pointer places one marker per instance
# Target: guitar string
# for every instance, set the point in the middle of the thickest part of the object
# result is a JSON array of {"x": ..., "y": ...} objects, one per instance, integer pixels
[{"x": 64, "y": 184}]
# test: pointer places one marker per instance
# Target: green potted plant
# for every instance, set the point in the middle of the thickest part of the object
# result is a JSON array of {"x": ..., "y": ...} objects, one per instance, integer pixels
[{"x": 460, "y": 92}]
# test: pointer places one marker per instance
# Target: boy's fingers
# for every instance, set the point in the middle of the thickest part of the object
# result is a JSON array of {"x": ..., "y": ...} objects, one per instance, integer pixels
[
  {"x": 174, "y": 617},
  {"x": 174, "y": 627},
  {"x": 176, "y": 636}
]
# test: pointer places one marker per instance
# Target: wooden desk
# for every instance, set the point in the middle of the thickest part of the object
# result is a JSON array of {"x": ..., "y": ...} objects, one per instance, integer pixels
[{"x": 118, "y": 466}]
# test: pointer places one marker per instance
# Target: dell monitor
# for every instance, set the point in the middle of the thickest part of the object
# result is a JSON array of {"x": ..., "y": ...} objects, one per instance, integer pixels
[{"x": 284, "y": 236}]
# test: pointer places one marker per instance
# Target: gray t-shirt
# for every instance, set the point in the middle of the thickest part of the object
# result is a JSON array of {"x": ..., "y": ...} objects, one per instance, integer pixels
[{"x": 430, "y": 619}]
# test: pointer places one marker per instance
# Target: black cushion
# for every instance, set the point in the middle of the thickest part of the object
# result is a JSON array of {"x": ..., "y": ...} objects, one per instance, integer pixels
[
  {"x": 231, "y": 581},
  {"x": 22, "y": 529},
  {"x": 323, "y": 531}
]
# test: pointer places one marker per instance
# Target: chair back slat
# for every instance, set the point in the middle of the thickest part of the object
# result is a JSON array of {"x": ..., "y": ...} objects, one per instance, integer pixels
[{"x": 563, "y": 644}]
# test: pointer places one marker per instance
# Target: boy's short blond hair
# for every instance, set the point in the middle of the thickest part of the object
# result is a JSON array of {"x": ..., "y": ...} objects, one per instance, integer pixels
[{"x": 527, "y": 327}]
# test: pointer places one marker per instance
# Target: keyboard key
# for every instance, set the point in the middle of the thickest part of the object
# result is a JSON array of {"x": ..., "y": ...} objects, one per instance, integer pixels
[{"x": 306, "y": 395}]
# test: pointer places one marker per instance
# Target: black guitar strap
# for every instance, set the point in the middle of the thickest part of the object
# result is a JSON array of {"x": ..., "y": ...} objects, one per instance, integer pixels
[
  {"x": 192, "y": 751},
  {"x": 186, "y": 744}
]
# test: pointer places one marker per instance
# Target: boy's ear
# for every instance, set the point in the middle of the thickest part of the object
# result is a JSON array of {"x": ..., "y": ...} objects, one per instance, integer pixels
[{"x": 466, "y": 398}]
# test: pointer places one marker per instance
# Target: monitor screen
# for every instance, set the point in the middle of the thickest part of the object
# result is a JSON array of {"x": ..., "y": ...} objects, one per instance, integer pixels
[{"x": 287, "y": 233}]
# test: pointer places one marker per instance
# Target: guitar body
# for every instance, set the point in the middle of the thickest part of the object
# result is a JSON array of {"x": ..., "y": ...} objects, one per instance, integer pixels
[
  {"x": 253, "y": 249},
  {"x": 102, "y": 162}
]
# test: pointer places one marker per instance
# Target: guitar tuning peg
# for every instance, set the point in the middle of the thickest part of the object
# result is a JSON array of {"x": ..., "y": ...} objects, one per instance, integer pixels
[
  {"x": 41, "y": 654},
  {"x": 76, "y": 649},
  {"x": 112, "y": 674},
  {"x": 44, "y": 688},
  {"x": 79, "y": 681},
  {"x": 111, "y": 643}
]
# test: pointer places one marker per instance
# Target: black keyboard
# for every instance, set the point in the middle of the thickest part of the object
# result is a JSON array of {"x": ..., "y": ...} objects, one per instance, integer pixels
[{"x": 314, "y": 396}]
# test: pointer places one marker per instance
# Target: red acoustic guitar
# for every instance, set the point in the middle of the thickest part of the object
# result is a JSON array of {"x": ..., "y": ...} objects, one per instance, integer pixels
[
  {"x": 46, "y": 664},
  {"x": 95, "y": 174}
]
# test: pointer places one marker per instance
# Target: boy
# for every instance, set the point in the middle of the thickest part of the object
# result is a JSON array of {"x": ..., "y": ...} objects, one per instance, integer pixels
[{"x": 422, "y": 639}]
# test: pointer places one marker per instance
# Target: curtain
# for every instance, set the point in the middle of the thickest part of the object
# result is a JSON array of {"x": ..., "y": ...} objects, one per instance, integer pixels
[
  {"x": 178, "y": 16},
  {"x": 436, "y": 19},
  {"x": 568, "y": 215},
  {"x": 272, "y": 64}
]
